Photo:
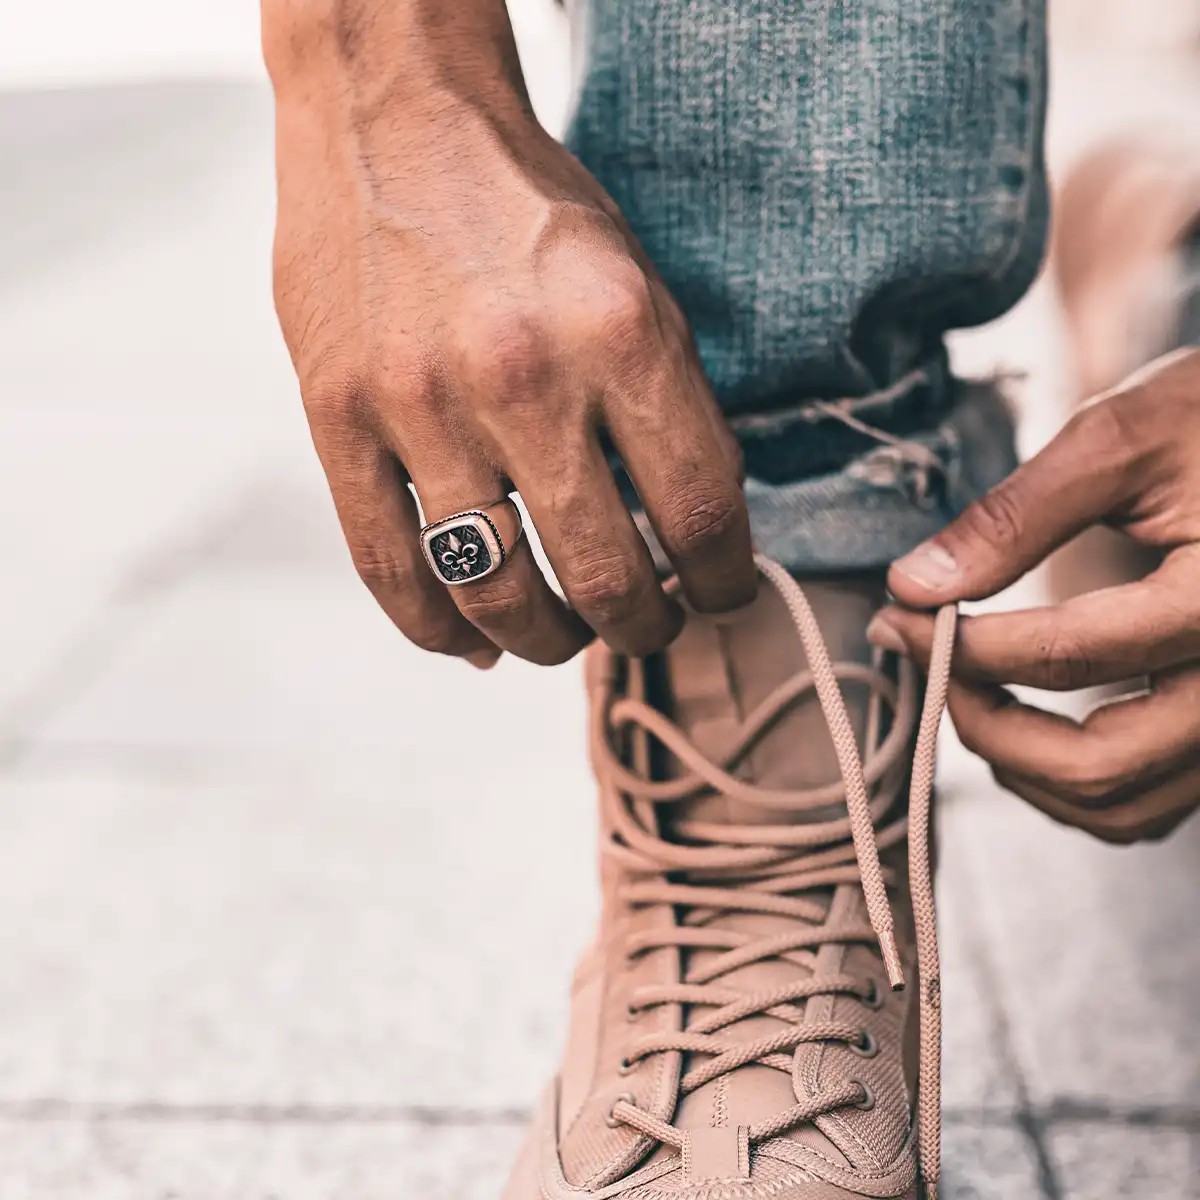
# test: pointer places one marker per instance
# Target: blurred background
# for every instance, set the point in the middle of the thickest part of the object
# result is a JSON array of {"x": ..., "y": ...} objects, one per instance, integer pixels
[{"x": 261, "y": 936}]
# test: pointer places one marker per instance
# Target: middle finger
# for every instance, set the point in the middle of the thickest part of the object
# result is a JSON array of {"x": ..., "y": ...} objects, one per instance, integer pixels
[
  {"x": 1102, "y": 637},
  {"x": 600, "y": 558},
  {"x": 1118, "y": 746}
]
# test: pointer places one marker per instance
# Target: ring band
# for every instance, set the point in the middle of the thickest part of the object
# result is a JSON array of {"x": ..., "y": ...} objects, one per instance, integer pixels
[{"x": 469, "y": 545}]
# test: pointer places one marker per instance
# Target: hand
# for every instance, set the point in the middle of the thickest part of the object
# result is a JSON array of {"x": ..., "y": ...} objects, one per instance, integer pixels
[
  {"x": 1131, "y": 460},
  {"x": 467, "y": 311}
]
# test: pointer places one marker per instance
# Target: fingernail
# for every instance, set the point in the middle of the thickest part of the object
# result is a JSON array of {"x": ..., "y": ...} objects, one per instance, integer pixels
[
  {"x": 885, "y": 635},
  {"x": 929, "y": 565},
  {"x": 484, "y": 660}
]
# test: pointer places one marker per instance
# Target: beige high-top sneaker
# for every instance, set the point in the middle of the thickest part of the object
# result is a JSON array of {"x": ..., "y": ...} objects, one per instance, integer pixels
[{"x": 738, "y": 1029}]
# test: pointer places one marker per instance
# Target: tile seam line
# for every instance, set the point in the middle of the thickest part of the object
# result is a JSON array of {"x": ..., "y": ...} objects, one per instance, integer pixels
[{"x": 52, "y": 1109}]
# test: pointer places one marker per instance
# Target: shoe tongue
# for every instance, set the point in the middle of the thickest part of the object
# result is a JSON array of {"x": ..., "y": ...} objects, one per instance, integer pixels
[
  {"x": 711, "y": 680},
  {"x": 721, "y": 668}
]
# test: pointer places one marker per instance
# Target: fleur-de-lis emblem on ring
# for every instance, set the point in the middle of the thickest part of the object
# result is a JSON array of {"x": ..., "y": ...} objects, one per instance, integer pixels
[
  {"x": 459, "y": 556},
  {"x": 470, "y": 545}
]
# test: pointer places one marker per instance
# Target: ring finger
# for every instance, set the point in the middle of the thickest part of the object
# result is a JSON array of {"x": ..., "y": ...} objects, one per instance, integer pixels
[{"x": 514, "y": 605}]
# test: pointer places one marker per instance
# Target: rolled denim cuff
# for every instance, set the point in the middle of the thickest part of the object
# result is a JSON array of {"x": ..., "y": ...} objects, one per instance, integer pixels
[
  {"x": 888, "y": 495},
  {"x": 890, "y": 498}
]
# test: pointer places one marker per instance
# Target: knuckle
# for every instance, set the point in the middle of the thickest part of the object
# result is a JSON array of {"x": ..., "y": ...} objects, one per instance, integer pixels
[
  {"x": 1134, "y": 822},
  {"x": 380, "y": 569},
  {"x": 996, "y": 519},
  {"x": 675, "y": 319},
  {"x": 620, "y": 321},
  {"x": 1095, "y": 781},
  {"x": 1107, "y": 769},
  {"x": 1066, "y": 664},
  {"x": 1099, "y": 831},
  {"x": 1111, "y": 430},
  {"x": 1119, "y": 832},
  {"x": 969, "y": 734},
  {"x": 492, "y": 603},
  {"x": 337, "y": 402},
  {"x": 625, "y": 311},
  {"x": 393, "y": 581},
  {"x": 607, "y": 588},
  {"x": 510, "y": 352},
  {"x": 701, "y": 522},
  {"x": 409, "y": 378}
]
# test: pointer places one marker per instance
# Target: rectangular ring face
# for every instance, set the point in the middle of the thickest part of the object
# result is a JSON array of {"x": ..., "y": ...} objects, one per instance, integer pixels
[{"x": 462, "y": 549}]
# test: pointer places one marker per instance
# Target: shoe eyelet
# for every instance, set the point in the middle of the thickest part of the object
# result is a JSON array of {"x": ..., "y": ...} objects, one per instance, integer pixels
[
  {"x": 631, "y": 1013},
  {"x": 868, "y": 1101},
  {"x": 874, "y": 997},
  {"x": 625, "y": 1067},
  {"x": 866, "y": 1046},
  {"x": 612, "y": 1121}
]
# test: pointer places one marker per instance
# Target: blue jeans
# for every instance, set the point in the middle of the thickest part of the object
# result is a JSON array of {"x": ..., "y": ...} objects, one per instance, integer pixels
[{"x": 828, "y": 186}]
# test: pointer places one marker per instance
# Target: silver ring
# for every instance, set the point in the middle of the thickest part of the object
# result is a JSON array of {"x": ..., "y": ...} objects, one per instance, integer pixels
[{"x": 470, "y": 545}]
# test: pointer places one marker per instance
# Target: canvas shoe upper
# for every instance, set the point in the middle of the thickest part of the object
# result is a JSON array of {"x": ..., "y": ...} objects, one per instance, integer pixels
[{"x": 734, "y": 1029}]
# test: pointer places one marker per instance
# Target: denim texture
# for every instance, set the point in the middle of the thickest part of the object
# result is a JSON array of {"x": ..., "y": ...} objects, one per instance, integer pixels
[{"x": 828, "y": 186}]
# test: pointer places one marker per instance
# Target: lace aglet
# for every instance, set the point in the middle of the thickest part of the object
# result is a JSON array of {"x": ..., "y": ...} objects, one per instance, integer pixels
[{"x": 891, "y": 960}]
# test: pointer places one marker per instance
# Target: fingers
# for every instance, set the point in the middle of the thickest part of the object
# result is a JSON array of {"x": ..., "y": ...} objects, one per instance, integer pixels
[
  {"x": 1103, "y": 637},
  {"x": 1148, "y": 816},
  {"x": 1074, "y": 482},
  {"x": 382, "y": 529},
  {"x": 687, "y": 472},
  {"x": 1132, "y": 768},
  {"x": 518, "y": 611},
  {"x": 510, "y": 405},
  {"x": 538, "y": 414},
  {"x": 515, "y": 606},
  {"x": 1122, "y": 751},
  {"x": 600, "y": 559}
]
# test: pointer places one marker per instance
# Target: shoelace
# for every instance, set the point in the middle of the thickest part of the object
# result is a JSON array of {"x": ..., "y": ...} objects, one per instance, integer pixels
[{"x": 771, "y": 863}]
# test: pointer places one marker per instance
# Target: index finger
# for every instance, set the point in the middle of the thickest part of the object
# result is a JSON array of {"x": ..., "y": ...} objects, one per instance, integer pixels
[
  {"x": 1103, "y": 637},
  {"x": 1075, "y": 481}
]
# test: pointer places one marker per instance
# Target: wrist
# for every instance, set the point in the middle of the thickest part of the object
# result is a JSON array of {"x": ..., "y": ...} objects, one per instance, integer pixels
[{"x": 385, "y": 57}]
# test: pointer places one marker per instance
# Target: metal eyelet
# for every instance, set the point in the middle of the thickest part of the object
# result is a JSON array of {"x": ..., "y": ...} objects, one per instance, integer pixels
[
  {"x": 612, "y": 1121},
  {"x": 866, "y": 1046},
  {"x": 625, "y": 1067},
  {"x": 875, "y": 995},
  {"x": 868, "y": 1101}
]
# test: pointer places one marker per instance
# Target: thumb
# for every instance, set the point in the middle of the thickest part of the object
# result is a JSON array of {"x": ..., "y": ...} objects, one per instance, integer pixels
[{"x": 1074, "y": 482}]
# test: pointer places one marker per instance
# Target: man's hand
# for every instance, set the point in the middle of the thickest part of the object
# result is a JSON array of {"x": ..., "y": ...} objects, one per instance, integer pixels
[
  {"x": 468, "y": 312},
  {"x": 1130, "y": 459}
]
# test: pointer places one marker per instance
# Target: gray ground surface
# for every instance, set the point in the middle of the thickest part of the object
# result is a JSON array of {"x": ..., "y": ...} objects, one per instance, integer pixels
[{"x": 263, "y": 935}]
